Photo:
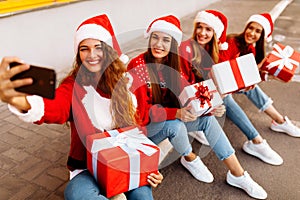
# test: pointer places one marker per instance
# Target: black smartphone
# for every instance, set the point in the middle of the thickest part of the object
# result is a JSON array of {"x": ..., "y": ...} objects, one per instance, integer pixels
[{"x": 44, "y": 81}]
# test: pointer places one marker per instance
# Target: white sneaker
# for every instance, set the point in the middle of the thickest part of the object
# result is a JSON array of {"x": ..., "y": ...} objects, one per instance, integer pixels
[
  {"x": 246, "y": 183},
  {"x": 263, "y": 151},
  {"x": 199, "y": 136},
  {"x": 287, "y": 127},
  {"x": 198, "y": 169}
]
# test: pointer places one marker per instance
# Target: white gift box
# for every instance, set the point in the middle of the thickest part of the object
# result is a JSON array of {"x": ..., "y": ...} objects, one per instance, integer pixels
[
  {"x": 236, "y": 74},
  {"x": 188, "y": 97}
]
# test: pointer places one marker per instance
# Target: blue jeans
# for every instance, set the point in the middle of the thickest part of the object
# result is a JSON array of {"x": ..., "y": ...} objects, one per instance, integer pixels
[
  {"x": 177, "y": 133},
  {"x": 84, "y": 187},
  {"x": 235, "y": 113},
  {"x": 258, "y": 98},
  {"x": 214, "y": 134}
]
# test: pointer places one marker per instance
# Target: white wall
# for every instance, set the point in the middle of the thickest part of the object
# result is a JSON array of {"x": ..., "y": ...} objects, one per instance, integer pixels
[{"x": 45, "y": 36}]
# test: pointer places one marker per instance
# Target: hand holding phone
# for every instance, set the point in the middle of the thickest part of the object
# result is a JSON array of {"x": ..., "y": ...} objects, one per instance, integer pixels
[{"x": 44, "y": 81}]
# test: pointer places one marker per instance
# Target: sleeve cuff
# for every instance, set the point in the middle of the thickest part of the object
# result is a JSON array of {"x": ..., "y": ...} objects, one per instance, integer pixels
[
  {"x": 266, "y": 77},
  {"x": 34, "y": 114}
]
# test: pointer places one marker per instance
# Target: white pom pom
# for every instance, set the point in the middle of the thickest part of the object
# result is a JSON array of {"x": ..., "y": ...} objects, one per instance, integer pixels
[
  {"x": 223, "y": 46},
  {"x": 124, "y": 58},
  {"x": 269, "y": 39}
]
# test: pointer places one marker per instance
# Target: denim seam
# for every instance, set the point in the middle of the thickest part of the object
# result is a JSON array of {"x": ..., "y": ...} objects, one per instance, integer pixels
[
  {"x": 225, "y": 157},
  {"x": 188, "y": 151}
]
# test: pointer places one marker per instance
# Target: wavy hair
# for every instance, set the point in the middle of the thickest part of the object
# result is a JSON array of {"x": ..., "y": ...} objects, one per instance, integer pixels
[{"x": 113, "y": 82}]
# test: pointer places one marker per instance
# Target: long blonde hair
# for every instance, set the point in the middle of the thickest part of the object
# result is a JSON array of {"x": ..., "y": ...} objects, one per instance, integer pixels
[
  {"x": 113, "y": 83},
  {"x": 212, "y": 47},
  {"x": 200, "y": 57}
]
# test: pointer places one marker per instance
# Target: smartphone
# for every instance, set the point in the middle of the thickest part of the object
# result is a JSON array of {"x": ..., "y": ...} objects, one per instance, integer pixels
[{"x": 44, "y": 81}]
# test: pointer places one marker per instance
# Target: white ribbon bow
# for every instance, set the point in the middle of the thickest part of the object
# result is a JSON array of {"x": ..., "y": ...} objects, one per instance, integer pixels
[
  {"x": 284, "y": 61},
  {"x": 132, "y": 139}
]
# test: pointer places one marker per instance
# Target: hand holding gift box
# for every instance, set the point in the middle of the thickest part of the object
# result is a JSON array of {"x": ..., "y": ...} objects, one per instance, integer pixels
[
  {"x": 203, "y": 97},
  {"x": 236, "y": 74},
  {"x": 282, "y": 62},
  {"x": 121, "y": 160}
]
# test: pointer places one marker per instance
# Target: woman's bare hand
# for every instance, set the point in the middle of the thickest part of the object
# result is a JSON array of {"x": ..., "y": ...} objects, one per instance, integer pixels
[
  {"x": 219, "y": 111},
  {"x": 8, "y": 94},
  {"x": 185, "y": 115},
  {"x": 249, "y": 88},
  {"x": 154, "y": 179}
]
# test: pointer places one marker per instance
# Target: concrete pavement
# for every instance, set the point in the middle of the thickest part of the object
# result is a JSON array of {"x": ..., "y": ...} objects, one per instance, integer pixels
[{"x": 33, "y": 158}]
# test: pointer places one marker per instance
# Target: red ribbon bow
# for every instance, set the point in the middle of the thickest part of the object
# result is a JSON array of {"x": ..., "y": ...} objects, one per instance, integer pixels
[{"x": 203, "y": 95}]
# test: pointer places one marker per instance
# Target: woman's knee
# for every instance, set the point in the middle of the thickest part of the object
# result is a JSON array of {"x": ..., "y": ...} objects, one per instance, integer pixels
[
  {"x": 83, "y": 186},
  {"x": 176, "y": 127},
  {"x": 144, "y": 192}
]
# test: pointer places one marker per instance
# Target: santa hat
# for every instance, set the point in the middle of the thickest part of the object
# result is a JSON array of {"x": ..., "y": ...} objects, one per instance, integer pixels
[
  {"x": 100, "y": 28},
  {"x": 265, "y": 20},
  {"x": 217, "y": 21},
  {"x": 168, "y": 24}
]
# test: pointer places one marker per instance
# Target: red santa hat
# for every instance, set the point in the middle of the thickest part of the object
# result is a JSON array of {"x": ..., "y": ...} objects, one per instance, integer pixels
[
  {"x": 100, "y": 28},
  {"x": 217, "y": 21},
  {"x": 168, "y": 24},
  {"x": 265, "y": 20}
]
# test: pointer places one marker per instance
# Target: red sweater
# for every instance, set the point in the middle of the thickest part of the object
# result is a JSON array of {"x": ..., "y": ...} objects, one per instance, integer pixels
[
  {"x": 68, "y": 105},
  {"x": 186, "y": 53},
  {"x": 233, "y": 51},
  {"x": 142, "y": 90}
]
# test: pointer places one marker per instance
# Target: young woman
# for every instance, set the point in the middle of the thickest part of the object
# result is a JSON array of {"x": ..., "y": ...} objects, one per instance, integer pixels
[
  {"x": 198, "y": 55},
  {"x": 252, "y": 40},
  {"x": 156, "y": 84},
  {"x": 98, "y": 79}
]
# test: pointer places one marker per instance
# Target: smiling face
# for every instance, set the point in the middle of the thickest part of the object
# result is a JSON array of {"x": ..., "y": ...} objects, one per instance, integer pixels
[
  {"x": 203, "y": 33},
  {"x": 253, "y": 32},
  {"x": 160, "y": 44},
  {"x": 91, "y": 54}
]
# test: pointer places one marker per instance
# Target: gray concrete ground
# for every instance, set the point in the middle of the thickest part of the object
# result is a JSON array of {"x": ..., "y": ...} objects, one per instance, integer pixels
[{"x": 33, "y": 158}]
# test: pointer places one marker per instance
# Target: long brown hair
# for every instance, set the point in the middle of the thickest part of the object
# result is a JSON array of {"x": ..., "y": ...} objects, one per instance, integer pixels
[
  {"x": 244, "y": 47},
  {"x": 171, "y": 73},
  {"x": 113, "y": 83}
]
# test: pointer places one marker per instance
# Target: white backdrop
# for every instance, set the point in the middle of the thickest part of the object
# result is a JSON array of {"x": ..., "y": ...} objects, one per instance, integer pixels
[{"x": 45, "y": 37}]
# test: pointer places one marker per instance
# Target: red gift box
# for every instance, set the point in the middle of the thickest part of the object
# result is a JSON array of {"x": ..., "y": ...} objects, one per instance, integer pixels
[
  {"x": 282, "y": 62},
  {"x": 121, "y": 160}
]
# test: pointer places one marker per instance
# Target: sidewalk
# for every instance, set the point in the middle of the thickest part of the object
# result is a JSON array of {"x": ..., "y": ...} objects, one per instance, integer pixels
[{"x": 33, "y": 158}]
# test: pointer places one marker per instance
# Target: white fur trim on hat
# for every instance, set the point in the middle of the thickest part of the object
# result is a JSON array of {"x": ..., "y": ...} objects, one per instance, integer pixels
[
  {"x": 92, "y": 31},
  {"x": 166, "y": 27},
  {"x": 211, "y": 20},
  {"x": 262, "y": 21}
]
